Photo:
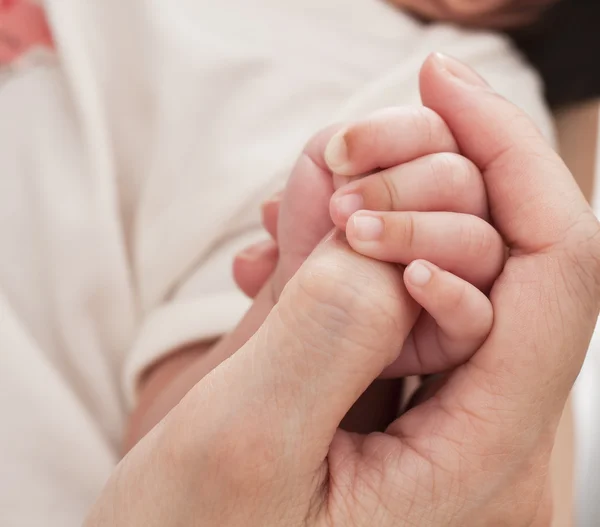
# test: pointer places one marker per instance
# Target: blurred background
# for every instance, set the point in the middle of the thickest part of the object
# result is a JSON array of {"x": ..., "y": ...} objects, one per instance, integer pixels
[
  {"x": 563, "y": 48},
  {"x": 587, "y": 406}
]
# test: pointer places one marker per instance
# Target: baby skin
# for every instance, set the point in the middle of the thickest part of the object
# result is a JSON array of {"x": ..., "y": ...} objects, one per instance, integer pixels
[
  {"x": 422, "y": 205},
  {"x": 396, "y": 188}
]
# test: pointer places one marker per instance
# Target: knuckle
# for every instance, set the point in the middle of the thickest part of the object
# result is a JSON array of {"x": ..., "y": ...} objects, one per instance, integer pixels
[
  {"x": 349, "y": 305},
  {"x": 424, "y": 121},
  {"x": 462, "y": 174},
  {"x": 451, "y": 172},
  {"x": 430, "y": 125},
  {"x": 478, "y": 238},
  {"x": 460, "y": 181},
  {"x": 441, "y": 170},
  {"x": 390, "y": 189},
  {"x": 408, "y": 227}
]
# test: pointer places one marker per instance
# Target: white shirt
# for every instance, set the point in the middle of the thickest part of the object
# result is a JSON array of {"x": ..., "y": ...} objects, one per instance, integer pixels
[{"x": 132, "y": 164}]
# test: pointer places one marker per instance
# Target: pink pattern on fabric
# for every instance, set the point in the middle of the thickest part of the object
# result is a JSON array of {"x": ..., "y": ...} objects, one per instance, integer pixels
[{"x": 23, "y": 26}]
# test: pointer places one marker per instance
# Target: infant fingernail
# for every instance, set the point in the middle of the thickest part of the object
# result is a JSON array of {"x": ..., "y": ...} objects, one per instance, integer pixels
[
  {"x": 418, "y": 274},
  {"x": 460, "y": 70},
  {"x": 336, "y": 153},
  {"x": 348, "y": 204},
  {"x": 258, "y": 250},
  {"x": 275, "y": 198},
  {"x": 367, "y": 228}
]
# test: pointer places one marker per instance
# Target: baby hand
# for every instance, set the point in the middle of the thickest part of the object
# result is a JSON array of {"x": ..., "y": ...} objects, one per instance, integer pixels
[
  {"x": 428, "y": 214},
  {"x": 426, "y": 208}
]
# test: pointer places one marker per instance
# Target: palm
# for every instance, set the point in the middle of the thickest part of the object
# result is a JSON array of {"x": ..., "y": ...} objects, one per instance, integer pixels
[{"x": 423, "y": 453}]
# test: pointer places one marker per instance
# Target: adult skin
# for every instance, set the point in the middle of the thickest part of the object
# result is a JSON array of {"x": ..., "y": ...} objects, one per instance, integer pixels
[{"x": 256, "y": 442}]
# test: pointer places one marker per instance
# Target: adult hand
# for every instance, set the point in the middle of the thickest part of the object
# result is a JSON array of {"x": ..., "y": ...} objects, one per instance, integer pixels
[{"x": 256, "y": 442}]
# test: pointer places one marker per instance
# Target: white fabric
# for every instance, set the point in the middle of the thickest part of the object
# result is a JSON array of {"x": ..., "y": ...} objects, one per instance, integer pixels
[{"x": 133, "y": 163}]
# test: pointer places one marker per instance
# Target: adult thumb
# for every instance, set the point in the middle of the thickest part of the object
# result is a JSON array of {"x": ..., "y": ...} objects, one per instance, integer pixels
[
  {"x": 534, "y": 201},
  {"x": 547, "y": 299},
  {"x": 340, "y": 321}
]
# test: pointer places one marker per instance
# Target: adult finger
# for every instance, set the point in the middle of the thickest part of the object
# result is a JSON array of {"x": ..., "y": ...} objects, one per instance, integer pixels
[
  {"x": 534, "y": 201},
  {"x": 387, "y": 138},
  {"x": 547, "y": 298},
  {"x": 437, "y": 182}
]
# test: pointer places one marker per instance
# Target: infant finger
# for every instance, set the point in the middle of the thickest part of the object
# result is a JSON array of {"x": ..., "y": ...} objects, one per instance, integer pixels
[
  {"x": 270, "y": 214},
  {"x": 463, "y": 314},
  {"x": 253, "y": 266},
  {"x": 388, "y": 138},
  {"x": 437, "y": 182},
  {"x": 462, "y": 244}
]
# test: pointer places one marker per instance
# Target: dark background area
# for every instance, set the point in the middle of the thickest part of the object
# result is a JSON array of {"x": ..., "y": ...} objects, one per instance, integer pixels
[{"x": 565, "y": 48}]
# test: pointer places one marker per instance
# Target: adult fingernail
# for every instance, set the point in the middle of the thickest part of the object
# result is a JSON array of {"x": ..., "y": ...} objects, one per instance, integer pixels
[
  {"x": 336, "y": 153},
  {"x": 367, "y": 228},
  {"x": 460, "y": 70},
  {"x": 418, "y": 274},
  {"x": 348, "y": 204},
  {"x": 258, "y": 250}
]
